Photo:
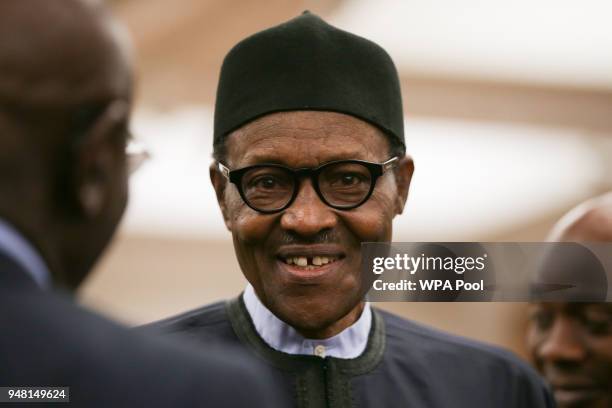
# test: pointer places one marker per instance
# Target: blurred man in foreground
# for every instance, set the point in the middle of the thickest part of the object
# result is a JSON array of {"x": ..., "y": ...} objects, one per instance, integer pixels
[
  {"x": 571, "y": 343},
  {"x": 65, "y": 97},
  {"x": 310, "y": 163}
]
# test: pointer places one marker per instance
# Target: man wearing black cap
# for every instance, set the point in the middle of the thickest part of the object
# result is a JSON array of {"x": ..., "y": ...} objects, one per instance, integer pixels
[{"x": 309, "y": 163}]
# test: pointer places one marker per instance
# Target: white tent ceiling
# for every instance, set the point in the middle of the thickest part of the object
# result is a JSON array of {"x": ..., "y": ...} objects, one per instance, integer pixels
[{"x": 554, "y": 42}]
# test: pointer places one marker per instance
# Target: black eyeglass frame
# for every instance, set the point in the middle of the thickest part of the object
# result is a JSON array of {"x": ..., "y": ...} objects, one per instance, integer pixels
[{"x": 376, "y": 170}]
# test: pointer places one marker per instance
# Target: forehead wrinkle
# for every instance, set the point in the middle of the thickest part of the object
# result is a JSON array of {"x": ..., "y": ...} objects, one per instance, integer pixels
[
  {"x": 310, "y": 149},
  {"x": 306, "y": 138}
]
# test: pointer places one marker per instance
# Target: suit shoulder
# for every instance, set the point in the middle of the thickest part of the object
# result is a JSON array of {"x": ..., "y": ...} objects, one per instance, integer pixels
[{"x": 77, "y": 347}]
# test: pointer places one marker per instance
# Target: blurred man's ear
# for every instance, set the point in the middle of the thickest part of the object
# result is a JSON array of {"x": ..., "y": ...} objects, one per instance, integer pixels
[
  {"x": 219, "y": 183},
  {"x": 100, "y": 157},
  {"x": 403, "y": 177}
]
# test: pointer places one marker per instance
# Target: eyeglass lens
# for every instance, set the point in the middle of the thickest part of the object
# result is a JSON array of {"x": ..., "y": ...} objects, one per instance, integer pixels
[
  {"x": 345, "y": 184},
  {"x": 267, "y": 188}
]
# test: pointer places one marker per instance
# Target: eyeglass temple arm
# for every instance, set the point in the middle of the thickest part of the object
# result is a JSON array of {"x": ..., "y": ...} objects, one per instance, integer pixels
[
  {"x": 224, "y": 170},
  {"x": 389, "y": 164}
]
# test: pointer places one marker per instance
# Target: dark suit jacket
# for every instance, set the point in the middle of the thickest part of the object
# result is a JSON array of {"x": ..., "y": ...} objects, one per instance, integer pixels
[{"x": 46, "y": 340}]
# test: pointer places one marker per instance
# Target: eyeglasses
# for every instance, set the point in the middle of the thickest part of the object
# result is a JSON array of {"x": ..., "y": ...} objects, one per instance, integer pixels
[
  {"x": 136, "y": 154},
  {"x": 86, "y": 116},
  {"x": 343, "y": 185}
]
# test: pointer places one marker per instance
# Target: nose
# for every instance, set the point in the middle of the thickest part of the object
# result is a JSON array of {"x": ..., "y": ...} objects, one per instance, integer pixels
[
  {"x": 308, "y": 215},
  {"x": 564, "y": 343}
]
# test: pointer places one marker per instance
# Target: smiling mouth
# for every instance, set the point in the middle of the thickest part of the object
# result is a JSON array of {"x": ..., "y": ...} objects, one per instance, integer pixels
[{"x": 309, "y": 262}]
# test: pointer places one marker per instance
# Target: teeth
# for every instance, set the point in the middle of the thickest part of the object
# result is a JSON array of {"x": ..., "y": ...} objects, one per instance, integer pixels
[{"x": 303, "y": 261}]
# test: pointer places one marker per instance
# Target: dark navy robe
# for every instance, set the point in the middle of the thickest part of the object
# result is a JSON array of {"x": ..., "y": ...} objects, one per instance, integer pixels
[{"x": 404, "y": 365}]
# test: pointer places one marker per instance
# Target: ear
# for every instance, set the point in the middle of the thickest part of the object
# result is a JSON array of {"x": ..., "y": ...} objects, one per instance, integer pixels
[
  {"x": 219, "y": 183},
  {"x": 100, "y": 160},
  {"x": 403, "y": 177}
]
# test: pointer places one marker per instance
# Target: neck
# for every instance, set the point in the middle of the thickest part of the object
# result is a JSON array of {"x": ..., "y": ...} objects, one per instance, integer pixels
[{"x": 335, "y": 328}]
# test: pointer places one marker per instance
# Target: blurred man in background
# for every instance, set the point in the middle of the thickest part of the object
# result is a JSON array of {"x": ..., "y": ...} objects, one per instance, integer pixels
[
  {"x": 571, "y": 343},
  {"x": 65, "y": 98},
  {"x": 310, "y": 163}
]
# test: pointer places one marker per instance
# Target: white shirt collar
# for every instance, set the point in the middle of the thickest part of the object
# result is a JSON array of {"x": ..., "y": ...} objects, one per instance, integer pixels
[
  {"x": 14, "y": 245},
  {"x": 349, "y": 343}
]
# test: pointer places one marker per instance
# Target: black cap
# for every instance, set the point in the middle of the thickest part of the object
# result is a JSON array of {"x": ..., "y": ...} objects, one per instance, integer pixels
[{"x": 307, "y": 64}]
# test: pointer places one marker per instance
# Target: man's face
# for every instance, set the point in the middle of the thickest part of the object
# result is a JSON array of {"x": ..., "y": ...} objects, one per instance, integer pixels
[
  {"x": 101, "y": 162},
  {"x": 571, "y": 344},
  {"x": 310, "y": 298}
]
